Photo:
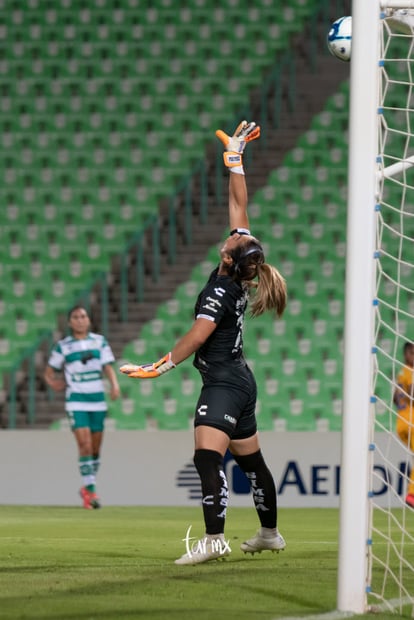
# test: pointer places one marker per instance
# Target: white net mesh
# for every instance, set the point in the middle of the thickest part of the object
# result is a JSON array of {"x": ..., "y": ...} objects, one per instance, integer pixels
[{"x": 391, "y": 552}]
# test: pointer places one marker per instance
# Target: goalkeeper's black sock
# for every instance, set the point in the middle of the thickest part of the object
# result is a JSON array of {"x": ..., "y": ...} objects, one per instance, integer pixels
[
  {"x": 262, "y": 486},
  {"x": 209, "y": 465}
]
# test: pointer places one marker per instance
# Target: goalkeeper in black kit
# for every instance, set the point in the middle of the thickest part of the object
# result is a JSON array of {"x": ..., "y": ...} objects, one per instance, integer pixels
[{"x": 225, "y": 411}]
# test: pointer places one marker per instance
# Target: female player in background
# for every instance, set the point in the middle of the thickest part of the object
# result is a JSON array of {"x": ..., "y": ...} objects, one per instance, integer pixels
[
  {"x": 84, "y": 357},
  {"x": 225, "y": 411}
]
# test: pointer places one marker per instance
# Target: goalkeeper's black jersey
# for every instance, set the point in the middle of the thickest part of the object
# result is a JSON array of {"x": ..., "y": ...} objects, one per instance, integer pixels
[{"x": 223, "y": 301}]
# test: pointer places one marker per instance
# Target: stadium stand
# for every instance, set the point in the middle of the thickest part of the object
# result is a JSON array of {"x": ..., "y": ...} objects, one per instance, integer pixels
[{"x": 112, "y": 106}]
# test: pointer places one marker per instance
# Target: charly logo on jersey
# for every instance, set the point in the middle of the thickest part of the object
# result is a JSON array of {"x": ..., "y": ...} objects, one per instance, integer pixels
[
  {"x": 210, "y": 307},
  {"x": 213, "y": 301},
  {"x": 212, "y": 304}
]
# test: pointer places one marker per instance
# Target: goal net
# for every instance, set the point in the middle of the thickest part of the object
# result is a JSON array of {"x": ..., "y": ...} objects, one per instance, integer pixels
[
  {"x": 376, "y": 559},
  {"x": 390, "y": 581}
]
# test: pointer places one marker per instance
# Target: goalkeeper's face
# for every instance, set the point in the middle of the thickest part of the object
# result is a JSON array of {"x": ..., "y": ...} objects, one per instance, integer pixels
[
  {"x": 241, "y": 255},
  {"x": 233, "y": 242}
]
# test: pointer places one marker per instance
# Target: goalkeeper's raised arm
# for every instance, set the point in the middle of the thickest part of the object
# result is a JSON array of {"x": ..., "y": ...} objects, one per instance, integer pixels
[{"x": 233, "y": 159}]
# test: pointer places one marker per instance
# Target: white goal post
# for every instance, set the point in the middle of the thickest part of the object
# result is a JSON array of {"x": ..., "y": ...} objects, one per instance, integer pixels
[{"x": 367, "y": 170}]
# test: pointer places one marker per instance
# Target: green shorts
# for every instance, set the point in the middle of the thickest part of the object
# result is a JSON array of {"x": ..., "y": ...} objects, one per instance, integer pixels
[{"x": 89, "y": 419}]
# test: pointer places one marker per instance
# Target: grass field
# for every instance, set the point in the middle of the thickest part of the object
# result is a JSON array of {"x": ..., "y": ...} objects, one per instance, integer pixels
[{"x": 118, "y": 563}]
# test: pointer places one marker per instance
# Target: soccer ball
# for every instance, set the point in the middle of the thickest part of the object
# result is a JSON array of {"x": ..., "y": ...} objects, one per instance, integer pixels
[{"x": 340, "y": 38}]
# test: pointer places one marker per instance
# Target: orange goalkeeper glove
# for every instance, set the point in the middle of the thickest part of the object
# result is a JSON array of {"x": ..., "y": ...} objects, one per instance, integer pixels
[
  {"x": 148, "y": 371},
  {"x": 245, "y": 132}
]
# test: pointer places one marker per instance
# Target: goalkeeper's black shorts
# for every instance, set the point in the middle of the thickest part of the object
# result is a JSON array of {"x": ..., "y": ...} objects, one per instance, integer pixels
[{"x": 228, "y": 400}]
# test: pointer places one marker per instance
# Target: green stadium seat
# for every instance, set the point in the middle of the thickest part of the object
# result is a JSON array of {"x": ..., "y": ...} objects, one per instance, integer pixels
[
  {"x": 264, "y": 416},
  {"x": 173, "y": 411},
  {"x": 128, "y": 414}
]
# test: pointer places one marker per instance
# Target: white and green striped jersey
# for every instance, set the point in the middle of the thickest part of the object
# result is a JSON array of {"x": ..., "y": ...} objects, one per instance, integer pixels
[{"x": 82, "y": 362}]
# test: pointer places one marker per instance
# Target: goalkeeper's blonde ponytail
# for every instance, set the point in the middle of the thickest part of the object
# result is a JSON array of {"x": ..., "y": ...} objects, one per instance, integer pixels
[{"x": 270, "y": 293}]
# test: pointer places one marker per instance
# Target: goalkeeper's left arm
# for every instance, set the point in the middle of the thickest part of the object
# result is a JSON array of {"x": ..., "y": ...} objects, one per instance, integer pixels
[{"x": 186, "y": 346}]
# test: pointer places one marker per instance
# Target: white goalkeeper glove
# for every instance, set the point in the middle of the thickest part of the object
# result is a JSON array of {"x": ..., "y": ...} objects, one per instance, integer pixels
[
  {"x": 235, "y": 144},
  {"x": 148, "y": 371}
]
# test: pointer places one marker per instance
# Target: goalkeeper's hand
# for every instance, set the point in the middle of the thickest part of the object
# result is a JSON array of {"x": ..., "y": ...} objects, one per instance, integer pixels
[
  {"x": 235, "y": 144},
  {"x": 148, "y": 371}
]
